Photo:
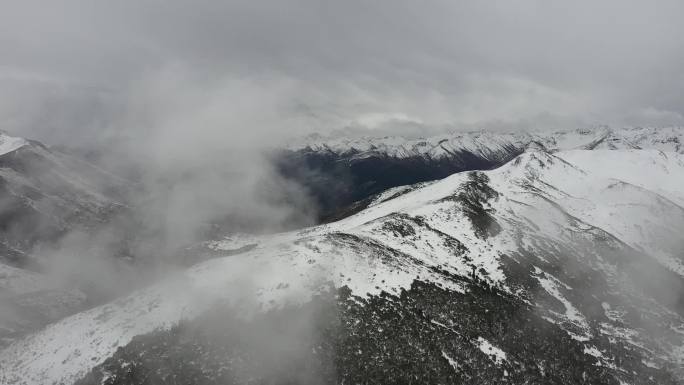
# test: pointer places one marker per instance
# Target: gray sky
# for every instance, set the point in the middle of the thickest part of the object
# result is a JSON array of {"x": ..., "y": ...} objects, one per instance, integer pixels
[{"x": 72, "y": 70}]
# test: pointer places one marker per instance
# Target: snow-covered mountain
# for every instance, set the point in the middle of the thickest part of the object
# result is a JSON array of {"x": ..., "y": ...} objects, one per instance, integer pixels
[
  {"x": 357, "y": 168},
  {"x": 560, "y": 267},
  {"x": 44, "y": 194}
]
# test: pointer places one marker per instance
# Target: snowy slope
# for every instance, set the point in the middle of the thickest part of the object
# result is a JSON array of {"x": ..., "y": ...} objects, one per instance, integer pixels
[
  {"x": 45, "y": 194},
  {"x": 635, "y": 195},
  {"x": 10, "y": 143},
  {"x": 536, "y": 229}
]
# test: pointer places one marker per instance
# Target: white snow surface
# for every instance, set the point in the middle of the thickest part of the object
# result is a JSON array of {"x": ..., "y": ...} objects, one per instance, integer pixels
[
  {"x": 10, "y": 143},
  {"x": 553, "y": 286},
  {"x": 556, "y": 195},
  {"x": 450, "y": 360},
  {"x": 494, "y": 353}
]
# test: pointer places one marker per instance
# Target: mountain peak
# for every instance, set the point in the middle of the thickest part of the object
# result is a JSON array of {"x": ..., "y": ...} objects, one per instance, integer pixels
[{"x": 10, "y": 143}]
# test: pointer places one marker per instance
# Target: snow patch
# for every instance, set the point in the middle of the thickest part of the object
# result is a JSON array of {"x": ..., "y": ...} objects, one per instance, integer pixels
[
  {"x": 450, "y": 360},
  {"x": 494, "y": 353},
  {"x": 11, "y": 143}
]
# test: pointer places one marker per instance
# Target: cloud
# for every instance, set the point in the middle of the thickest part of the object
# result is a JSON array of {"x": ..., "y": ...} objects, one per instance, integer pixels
[{"x": 438, "y": 62}]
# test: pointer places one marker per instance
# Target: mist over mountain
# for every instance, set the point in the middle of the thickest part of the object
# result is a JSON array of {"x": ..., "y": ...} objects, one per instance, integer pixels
[
  {"x": 563, "y": 254},
  {"x": 311, "y": 192}
]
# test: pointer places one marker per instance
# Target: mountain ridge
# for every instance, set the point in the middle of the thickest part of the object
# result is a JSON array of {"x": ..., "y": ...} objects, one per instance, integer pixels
[
  {"x": 487, "y": 144},
  {"x": 354, "y": 169}
]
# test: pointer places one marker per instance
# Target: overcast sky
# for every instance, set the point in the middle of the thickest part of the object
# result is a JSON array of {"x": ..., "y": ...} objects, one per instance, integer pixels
[{"x": 75, "y": 69}]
